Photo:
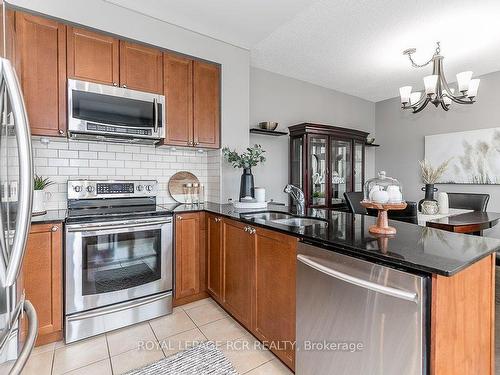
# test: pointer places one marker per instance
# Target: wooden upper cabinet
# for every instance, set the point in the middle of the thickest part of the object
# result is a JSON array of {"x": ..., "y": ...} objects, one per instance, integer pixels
[
  {"x": 40, "y": 61},
  {"x": 238, "y": 258},
  {"x": 93, "y": 56},
  {"x": 42, "y": 276},
  {"x": 187, "y": 255},
  {"x": 214, "y": 250},
  {"x": 275, "y": 262},
  {"x": 178, "y": 91},
  {"x": 206, "y": 107},
  {"x": 141, "y": 67}
]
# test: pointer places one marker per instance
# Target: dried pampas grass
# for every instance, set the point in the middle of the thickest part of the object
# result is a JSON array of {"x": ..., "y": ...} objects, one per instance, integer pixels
[{"x": 431, "y": 175}]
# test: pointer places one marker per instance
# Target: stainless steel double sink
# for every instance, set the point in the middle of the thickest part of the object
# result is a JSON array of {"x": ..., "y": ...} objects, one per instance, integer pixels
[{"x": 284, "y": 218}]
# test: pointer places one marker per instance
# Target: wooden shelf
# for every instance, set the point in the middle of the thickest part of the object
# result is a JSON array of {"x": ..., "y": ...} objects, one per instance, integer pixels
[
  {"x": 274, "y": 133},
  {"x": 371, "y": 145}
]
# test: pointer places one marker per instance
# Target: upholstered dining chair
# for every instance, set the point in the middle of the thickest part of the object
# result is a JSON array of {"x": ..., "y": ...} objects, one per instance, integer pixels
[
  {"x": 353, "y": 200},
  {"x": 469, "y": 201}
]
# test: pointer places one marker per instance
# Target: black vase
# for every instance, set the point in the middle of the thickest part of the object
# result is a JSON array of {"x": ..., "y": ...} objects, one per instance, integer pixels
[
  {"x": 246, "y": 185},
  {"x": 429, "y": 194}
]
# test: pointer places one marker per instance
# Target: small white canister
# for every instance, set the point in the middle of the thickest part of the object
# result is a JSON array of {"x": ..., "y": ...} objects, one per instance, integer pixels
[
  {"x": 260, "y": 194},
  {"x": 444, "y": 205}
]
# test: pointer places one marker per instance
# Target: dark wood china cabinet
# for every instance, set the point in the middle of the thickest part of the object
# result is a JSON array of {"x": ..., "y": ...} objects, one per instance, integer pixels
[{"x": 325, "y": 162}]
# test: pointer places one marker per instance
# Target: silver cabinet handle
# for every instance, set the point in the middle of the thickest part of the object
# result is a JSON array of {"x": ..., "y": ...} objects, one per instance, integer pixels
[
  {"x": 29, "y": 344},
  {"x": 196, "y": 143},
  {"x": 115, "y": 84},
  {"x": 251, "y": 230},
  {"x": 179, "y": 217},
  {"x": 54, "y": 228},
  {"x": 246, "y": 229},
  {"x": 61, "y": 131},
  {"x": 25, "y": 196},
  {"x": 387, "y": 290},
  {"x": 217, "y": 219},
  {"x": 124, "y": 86},
  {"x": 190, "y": 143}
]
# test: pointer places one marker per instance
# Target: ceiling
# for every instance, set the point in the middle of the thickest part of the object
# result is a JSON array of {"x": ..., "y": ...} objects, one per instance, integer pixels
[{"x": 350, "y": 46}]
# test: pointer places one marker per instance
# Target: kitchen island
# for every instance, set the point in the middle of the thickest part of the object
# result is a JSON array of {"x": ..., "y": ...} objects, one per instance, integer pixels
[{"x": 459, "y": 329}]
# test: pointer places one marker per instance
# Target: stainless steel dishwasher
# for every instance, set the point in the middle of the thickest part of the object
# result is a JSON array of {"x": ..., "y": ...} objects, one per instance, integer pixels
[{"x": 355, "y": 317}]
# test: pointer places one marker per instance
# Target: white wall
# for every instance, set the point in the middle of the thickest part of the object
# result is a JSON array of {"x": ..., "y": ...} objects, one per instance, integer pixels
[
  {"x": 274, "y": 97},
  {"x": 401, "y": 137},
  {"x": 235, "y": 61}
]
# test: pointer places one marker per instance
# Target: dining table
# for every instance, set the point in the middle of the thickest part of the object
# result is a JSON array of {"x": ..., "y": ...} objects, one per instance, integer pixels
[{"x": 461, "y": 221}]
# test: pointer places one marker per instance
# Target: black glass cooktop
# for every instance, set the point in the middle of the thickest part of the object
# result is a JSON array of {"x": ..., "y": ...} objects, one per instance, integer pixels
[{"x": 109, "y": 209}]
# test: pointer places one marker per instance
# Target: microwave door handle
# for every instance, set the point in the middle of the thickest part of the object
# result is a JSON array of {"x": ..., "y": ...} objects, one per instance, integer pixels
[
  {"x": 155, "y": 115},
  {"x": 25, "y": 196}
]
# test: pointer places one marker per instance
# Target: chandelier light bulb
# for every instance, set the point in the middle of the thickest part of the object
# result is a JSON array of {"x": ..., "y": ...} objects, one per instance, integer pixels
[
  {"x": 473, "y": 86},
  {"x": 415, "y": 97},
  {"x": 405, "y": 93},
  {"x": 463, "y": 80},
  {"x": 430, "y": 83}
]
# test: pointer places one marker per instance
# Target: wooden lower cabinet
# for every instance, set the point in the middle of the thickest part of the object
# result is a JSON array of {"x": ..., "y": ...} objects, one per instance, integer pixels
[
  {"x": 190, "y": 258},
  {"x": 274, "y": 318},
  {"x": 256, "y": 268},
  {"x": 238, "y": 247},
  {"x": 214, "y": 256},
  {"x": 42, "y": 277}
]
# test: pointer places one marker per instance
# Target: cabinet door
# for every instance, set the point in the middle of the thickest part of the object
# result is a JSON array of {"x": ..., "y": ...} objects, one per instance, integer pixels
[
  {"x": 141, "y": 67},
  {"x": 178, "y": 76},
  {"x": 318, "y": 170},
  {"x": 359, "y": 167},
  {"x": 40, "y": 58},
  {"x": 340, "y": 170},
  {"x": 274, "y": 322},
  {"x": 214, "y": 247},
  {"x": 206, "y": 92},
  {"x": 187, "y": 255},
  {"x": 92, "y": 56},
  {"x": 42, "y": 275},
  {"x": 238, "y": 255}
]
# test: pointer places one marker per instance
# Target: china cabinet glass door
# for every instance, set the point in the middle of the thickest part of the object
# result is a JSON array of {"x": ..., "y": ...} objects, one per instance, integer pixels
[
  {"x": 318, "y": 175},
  {"x": 358, "y": 165},
  {"x": 340, "y": 170}
]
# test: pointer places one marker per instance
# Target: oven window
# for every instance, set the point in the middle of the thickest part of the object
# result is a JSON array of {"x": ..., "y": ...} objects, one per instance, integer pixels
[
  {"x": 114, "y": 110},
  {"x": 112, "y": 262}
]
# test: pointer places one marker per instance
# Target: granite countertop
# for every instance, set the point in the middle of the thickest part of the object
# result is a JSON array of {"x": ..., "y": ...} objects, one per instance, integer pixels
[
  {"x": 52, "y": 216},
  {"x": 413, "y": 247}
]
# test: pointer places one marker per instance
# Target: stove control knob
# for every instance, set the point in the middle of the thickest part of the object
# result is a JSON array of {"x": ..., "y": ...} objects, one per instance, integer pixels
[
  {"x": 149, "y": 188},
  {"x": 140, "y": 188},
  {"x": 77, "y": 188},
  {"x": 90, "y": 189}
]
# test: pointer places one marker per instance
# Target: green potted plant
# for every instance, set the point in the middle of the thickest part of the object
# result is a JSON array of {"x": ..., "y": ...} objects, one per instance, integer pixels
[
  {"x": 39, "y": 195},
  {"x": 248, "y": 159}
]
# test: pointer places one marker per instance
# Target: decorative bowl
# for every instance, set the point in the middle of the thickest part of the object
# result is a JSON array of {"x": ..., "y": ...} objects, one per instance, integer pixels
[
  {"x": 268, "y": 125},
  {"x": 370, "y": 140}
]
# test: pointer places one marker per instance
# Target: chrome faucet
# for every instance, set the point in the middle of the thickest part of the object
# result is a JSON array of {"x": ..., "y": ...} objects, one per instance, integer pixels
[{"x": 298, "y": 198}]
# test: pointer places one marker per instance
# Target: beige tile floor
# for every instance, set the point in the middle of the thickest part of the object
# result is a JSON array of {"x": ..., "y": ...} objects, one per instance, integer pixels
[{"x": 120, "y": 351}]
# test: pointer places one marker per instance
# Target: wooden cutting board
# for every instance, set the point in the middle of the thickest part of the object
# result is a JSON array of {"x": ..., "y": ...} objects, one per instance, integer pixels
[{"x": 177, "y": 182}]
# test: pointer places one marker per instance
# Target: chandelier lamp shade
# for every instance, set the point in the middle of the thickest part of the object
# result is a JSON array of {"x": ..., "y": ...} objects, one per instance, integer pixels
[{"x": 436, "y": 89}]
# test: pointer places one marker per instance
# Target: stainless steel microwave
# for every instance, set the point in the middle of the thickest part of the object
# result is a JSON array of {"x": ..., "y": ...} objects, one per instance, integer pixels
[{"x": 115, "y": 114}]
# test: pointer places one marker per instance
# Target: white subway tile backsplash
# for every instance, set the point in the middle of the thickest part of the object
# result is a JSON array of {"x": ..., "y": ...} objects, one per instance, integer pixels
[{"x": 62, "y": 159}]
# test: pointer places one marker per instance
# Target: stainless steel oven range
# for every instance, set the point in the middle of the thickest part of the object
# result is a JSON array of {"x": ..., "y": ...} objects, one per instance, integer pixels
[{"x": 118, "y": 257}]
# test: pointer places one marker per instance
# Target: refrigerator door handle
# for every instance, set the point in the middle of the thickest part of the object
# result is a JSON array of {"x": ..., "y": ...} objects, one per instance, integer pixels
[
  {"x": 23, "y": 136},
  {"x": 4, "y": 250},
  {"x": 398, "y": 293},
  {"x": 29, "y": 344}
]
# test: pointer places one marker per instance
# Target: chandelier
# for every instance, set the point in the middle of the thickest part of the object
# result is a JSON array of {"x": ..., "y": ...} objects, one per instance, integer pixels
[{"x": 437, "y": 89}]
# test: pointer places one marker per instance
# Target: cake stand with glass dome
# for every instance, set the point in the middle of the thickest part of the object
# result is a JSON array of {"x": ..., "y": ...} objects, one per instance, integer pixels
[{"x": 383, "y": 193}]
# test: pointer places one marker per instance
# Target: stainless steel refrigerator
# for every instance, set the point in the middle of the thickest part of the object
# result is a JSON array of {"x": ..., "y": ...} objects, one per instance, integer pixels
[{"x": 16, "y": 190}]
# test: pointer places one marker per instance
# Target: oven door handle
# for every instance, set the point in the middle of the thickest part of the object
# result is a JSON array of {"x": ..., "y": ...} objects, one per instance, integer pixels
[{"x": 82, "y": 228}]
